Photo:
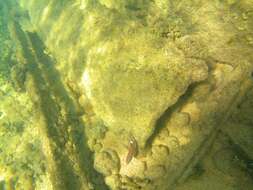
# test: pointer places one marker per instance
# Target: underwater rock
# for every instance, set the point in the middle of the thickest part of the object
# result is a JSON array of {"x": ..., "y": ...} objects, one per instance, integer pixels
[
  {"x": 160, "y": 153},
  {"x": 136, "y": 168},
  {"x": 113, "y": 181},
  {"x": 169, "y": 72},
  {"x": 107, "y": 162},
  {"x": 131, "y": 92},
  {"x": 155, "y": 171}
]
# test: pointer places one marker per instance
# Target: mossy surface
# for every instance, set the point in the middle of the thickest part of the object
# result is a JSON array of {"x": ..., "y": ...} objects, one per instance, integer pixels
[
  {"x": 22, "y": 164},
  {"x": 103, "y": 75}
]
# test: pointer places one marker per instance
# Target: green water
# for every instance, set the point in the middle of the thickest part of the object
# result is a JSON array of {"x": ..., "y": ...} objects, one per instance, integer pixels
[{"x": 87, "y": 84}]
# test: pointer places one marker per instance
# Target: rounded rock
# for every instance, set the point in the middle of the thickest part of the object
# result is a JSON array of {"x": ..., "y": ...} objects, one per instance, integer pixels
[{"x": 107, "y": 162}]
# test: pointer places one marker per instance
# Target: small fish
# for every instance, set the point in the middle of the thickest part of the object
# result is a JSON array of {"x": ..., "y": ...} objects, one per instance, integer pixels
[{"x": 132, "y": 149}]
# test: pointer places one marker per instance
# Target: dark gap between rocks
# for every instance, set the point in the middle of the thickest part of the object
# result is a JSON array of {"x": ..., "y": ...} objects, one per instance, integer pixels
[{"x": 165, "y": 117}]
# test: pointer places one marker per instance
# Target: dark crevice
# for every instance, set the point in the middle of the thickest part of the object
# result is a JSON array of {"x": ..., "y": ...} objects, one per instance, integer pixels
[
  {"x": 58, "y": 90},
  {"x": 59, "y": 128},
  {"x": 165, "y": 117}
]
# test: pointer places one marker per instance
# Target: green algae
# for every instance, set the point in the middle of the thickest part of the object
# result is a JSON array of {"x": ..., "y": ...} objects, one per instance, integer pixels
[
  {"x": 6, "y": 46},
  {"x": 155, "y": 70},
  {"x": 21, "y": 159}
]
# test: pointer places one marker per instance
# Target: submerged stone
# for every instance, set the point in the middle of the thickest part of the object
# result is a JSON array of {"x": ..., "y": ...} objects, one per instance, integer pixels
[{"x": 132, "y": 82}]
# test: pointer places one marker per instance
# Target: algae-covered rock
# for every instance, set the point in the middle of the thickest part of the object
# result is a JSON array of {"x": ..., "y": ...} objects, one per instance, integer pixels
[
  {"x": 107, "y": 162},
  {"x": 132, "y": 82},
  {"x": 155, "y": 171},
  {"x": 106, "y": 73}
]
